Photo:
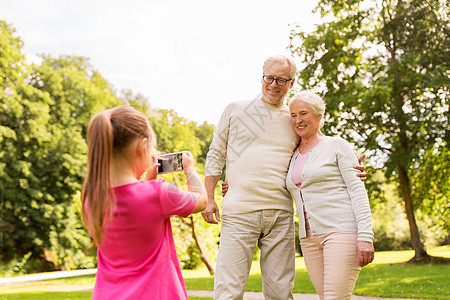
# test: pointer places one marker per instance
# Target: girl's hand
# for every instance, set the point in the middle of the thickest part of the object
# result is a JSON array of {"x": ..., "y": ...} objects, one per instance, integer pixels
[
  {"x": 188, "y": 161},
  {"x": 152, "y": 171}
]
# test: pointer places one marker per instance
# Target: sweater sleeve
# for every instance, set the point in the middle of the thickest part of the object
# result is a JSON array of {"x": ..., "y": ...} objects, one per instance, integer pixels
[
  {"x": 217, "y": 153},
  {"x": 357, "y": 191}
]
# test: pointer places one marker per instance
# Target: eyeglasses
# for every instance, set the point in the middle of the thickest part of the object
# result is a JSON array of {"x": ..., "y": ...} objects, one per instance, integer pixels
[{"x": 279, "y": 81}]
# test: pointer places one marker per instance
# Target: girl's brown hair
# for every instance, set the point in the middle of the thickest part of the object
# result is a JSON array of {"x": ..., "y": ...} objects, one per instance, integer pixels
[{"x": 109, "y": 133}]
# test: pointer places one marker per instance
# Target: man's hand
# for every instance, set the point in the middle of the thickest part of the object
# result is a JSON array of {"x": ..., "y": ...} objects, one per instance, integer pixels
[
  {"x": 366, "y": 253},
  {"x": 362, "y": 175},
  {"x": 211, "y": 211}
]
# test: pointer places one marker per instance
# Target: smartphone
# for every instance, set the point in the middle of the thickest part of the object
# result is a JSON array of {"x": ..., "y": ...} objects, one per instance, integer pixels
[{"x": 169, "y": 163}]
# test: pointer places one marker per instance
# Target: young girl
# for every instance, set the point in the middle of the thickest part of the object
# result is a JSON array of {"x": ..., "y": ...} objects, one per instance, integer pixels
[{"x": 128, "y": 218}]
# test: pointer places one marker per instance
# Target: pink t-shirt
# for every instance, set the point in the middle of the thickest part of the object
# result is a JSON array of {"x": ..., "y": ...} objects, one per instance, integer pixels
[{"x": 137, "y": 259}]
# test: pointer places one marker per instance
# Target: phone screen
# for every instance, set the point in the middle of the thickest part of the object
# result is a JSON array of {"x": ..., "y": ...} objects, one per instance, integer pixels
[{"x": 171, "y": 162}]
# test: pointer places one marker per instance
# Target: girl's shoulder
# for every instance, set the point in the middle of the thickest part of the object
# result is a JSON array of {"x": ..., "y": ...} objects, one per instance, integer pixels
[{"x": 140, "y": 185}]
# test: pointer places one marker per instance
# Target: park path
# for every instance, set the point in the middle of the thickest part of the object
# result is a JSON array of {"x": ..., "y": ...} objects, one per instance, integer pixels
[
  {"x": 191, "y": 293},
  {"x": 259, "y": 296}
]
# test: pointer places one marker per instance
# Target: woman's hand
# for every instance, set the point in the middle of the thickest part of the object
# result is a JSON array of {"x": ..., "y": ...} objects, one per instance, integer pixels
[
  {"x": 362, "y": 168},
  {"x": 224, "y": 188},
  {"x": 366, "y": 253}
]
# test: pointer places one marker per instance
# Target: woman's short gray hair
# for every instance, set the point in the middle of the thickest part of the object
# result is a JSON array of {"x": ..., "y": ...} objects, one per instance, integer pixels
[
  {"x": 313, "y": 100},
  {"x": 284, "y": 59}
]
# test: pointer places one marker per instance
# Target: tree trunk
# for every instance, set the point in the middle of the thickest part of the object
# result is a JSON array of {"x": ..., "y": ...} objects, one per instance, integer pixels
[
  {"x": 203, "y": 256},
  {"x": 419, "y": 251}
]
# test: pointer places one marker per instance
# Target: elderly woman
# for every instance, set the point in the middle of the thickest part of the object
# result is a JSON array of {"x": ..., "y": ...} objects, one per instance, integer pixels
[{"x": 332, "y": 204}]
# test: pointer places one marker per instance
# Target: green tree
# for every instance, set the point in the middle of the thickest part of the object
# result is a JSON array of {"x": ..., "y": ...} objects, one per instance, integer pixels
[
  {"x": 383, "y": 69},
  {"x": 77, "y": 90},
  {"x": 44, "y": 112},
  {"x": 24, "y": 112},
  {"x": 205, "y": 133},
  {"x": 174, "y": 133},
  {"x": 138, "y": 101}
]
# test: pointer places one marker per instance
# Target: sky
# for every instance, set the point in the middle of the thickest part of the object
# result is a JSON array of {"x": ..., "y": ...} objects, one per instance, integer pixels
[{"x": 192, "y": 56}]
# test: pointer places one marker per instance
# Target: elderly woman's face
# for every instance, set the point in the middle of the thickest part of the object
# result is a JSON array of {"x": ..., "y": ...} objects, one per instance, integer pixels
[{"x": 304, "y": 119}]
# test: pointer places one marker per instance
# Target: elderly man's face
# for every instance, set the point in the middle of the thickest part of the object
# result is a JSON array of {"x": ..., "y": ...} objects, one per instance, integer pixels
[{"x": 273, "y": 93}]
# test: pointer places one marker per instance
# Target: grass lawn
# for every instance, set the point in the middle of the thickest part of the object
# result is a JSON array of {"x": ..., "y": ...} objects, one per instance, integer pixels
[
  {"x": 387, "y": 276},
  {"x": 400, "y": 280}
]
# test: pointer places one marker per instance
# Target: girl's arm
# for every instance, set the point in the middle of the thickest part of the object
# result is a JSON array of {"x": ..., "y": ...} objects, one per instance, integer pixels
[{"x": 195, "y": 184}]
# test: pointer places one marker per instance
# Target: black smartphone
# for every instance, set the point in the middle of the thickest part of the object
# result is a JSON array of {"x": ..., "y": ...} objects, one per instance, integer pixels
[{"x": 169, "y": 163}]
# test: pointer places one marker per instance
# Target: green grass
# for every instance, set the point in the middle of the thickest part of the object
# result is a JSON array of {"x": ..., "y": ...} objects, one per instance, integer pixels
[{"x": 388, "y": 276}]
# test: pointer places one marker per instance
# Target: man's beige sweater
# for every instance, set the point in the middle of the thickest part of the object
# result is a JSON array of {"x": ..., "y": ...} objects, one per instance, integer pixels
[{"x": 256, "y": 142}]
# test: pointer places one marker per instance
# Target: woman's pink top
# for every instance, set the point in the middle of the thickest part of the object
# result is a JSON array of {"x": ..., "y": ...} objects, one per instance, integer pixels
[
  {"x": 137, "y": 259},
  {"x": 296, "y": 175},
  {"x": 299, "y": 164}
]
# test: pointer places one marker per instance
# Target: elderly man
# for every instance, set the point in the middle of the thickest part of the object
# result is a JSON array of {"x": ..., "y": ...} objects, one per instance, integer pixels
[{"x": 256, "y": 141}]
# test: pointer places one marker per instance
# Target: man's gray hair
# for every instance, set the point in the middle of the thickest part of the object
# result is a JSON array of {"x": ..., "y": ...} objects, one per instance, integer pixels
[{"x": 284, "y": 59}]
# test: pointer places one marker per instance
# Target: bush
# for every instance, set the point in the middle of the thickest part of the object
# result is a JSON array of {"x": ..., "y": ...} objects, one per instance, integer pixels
[
  {"x": 71, "y": 245},
  {"x": 391, "y": 227}
]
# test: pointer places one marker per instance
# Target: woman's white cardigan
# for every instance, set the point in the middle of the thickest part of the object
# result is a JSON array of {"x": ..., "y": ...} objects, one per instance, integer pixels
[{"x": 334, "y": 197}]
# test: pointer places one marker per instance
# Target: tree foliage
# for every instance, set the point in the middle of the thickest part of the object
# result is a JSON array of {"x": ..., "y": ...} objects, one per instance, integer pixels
[
  {"x": 24, "y": 135},
  {"x": 44, "y": 112},
  {"x": 383, "y": 69}
]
